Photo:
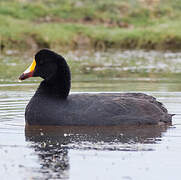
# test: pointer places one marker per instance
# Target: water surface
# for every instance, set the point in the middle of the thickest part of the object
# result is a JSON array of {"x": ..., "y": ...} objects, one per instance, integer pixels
[{"x": 127, "y": 153}]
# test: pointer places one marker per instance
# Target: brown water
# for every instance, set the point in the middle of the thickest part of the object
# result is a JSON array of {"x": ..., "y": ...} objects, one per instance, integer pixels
[{"x": 79, "y": 153}]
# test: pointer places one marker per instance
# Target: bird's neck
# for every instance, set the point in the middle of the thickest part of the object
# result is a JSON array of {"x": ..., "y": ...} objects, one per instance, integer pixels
[{"x": 58, "y": 86}]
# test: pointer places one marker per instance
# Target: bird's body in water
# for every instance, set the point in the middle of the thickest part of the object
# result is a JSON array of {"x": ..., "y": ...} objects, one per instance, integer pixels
[{"x": 52, "y": 104}]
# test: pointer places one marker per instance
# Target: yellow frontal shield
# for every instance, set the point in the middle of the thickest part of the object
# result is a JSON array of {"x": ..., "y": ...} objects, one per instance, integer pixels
[{"x": 29, "y": 71}]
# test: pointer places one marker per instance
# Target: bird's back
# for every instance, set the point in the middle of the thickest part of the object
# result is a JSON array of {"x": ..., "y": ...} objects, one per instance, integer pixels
[{"x": 96, "y": 109}]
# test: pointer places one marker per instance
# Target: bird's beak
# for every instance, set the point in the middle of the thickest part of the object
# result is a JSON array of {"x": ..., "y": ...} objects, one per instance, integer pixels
[{"x": 29, "y": 71}]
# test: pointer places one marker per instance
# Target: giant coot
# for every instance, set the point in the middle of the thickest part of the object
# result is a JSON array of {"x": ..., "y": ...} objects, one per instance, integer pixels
[{"x": 52, "y": 104}]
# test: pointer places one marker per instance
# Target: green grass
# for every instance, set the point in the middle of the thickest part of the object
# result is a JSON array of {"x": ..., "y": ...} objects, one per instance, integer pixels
[{"x": 88, "y": 23}]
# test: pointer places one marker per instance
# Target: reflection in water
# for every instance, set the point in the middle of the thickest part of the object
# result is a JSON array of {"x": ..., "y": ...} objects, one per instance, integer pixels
[
  {"x": 52, "y": 144},
  {"x": 88, "y": 153}
]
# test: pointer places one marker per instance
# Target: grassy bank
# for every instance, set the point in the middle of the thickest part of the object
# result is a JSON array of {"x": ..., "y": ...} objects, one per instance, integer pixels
[
  {"x": 141, "y": 24},
  {"x": 128, "y": 65}
]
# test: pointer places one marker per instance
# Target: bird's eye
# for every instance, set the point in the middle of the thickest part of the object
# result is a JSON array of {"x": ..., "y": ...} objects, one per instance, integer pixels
[{"x": 41, "y": 62}]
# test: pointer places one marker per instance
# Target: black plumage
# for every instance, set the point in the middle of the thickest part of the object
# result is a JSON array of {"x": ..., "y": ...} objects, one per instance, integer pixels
[{"x": 52, "y": 104}]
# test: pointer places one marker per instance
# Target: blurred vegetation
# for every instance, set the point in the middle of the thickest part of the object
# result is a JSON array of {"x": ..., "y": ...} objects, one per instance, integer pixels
[
  {"x": 90, "y": 65},
  {"x": 99, "y": 24}
]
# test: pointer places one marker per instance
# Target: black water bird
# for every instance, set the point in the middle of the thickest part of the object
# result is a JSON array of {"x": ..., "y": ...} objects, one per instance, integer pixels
[{"x": 52, "y": 104}]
